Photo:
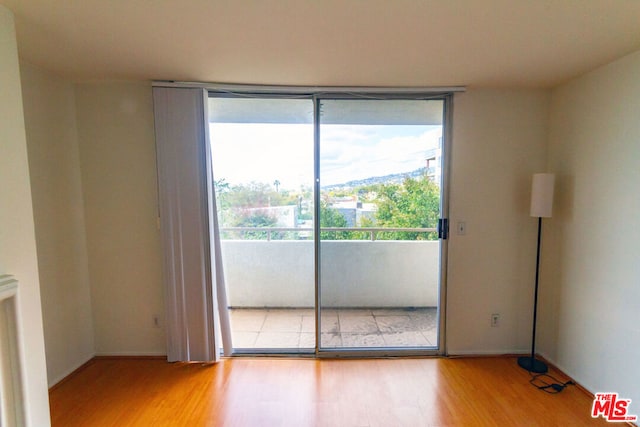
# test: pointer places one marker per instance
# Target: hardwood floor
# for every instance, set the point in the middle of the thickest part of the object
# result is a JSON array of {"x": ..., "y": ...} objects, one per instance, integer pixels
[{"x": 490, "y": 391}]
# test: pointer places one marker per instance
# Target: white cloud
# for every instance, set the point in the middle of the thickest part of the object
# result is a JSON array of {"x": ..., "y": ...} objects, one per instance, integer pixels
[
  {"x": 265, "y": 152},
  {"x": 376, "y": 152}
]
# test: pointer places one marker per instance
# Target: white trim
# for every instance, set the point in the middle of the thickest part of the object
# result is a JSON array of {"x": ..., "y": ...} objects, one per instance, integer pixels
[
  {"x": 132, "y": 353},
  {"x": 496, "y": 352},
  {"x": 310, "y": 90},
  {"x": 445, "y": 187},
  {"x": 13, "y": 400},
  {"x": 8, "y": 287}
]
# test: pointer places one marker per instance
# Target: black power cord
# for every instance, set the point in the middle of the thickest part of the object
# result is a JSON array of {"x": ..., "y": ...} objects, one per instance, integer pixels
[{"x": 548, "y": 383}]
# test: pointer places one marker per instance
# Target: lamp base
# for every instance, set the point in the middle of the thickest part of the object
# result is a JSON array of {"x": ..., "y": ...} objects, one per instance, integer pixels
[{"x": 530, "y": 364}]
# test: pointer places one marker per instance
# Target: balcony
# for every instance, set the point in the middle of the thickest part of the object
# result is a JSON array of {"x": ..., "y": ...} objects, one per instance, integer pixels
[
  {"x": 295, "y": 328},
  {"x": 375, "y": 293}
]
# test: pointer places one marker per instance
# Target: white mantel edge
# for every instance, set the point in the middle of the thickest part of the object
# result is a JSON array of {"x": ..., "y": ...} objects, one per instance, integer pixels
[{"x": 8, "y": 286}]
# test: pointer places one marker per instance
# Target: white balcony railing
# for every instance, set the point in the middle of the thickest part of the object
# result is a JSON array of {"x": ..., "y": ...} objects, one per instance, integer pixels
[
  {"x": 308, "y": 232},
  {"x": 271, "y": 272}
]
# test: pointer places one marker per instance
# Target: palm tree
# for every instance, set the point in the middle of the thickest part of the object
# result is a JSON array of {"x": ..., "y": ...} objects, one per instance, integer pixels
[{"x": 276, "y": 183}]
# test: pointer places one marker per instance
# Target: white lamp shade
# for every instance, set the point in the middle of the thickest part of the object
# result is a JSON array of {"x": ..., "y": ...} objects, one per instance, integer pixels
[{"x": 542, "y": 195}]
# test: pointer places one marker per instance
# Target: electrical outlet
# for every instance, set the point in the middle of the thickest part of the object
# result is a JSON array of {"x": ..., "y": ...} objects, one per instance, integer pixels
[
  {"x": 156, "y": 321},
  {"x": 495, "y": 320}
]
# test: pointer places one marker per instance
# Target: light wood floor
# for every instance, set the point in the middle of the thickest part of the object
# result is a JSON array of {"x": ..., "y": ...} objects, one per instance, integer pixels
[{"x": 310, "y": 392}]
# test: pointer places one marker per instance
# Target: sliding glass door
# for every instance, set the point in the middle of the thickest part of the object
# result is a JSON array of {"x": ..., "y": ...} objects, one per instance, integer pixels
[
  {"x": 262, "y": 151},
  {"x": 379, "y": 195},
  {"x": 328, "y": 211}
]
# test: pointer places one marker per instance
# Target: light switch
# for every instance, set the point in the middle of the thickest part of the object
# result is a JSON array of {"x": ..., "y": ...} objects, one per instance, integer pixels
[{"x": 462, "y": 228}]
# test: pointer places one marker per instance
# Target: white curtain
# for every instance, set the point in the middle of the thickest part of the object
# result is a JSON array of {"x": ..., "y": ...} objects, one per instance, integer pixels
[{"x": 193, "y": 275}]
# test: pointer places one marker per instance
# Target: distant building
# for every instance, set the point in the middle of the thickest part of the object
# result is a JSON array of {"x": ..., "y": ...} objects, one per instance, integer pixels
[{"x": 354, "y": 210}]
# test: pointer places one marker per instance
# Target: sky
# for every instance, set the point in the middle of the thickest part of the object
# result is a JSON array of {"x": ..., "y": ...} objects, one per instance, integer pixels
[{"x": 243, "y": 152}]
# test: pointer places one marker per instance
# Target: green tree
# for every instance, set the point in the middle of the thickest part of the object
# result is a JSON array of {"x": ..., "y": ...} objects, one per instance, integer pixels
[
  {"x": 331, "y": 217},
  {"x": 252, "y": 195},
  {"x": 415, "y": 203},
  {"x": 233, "y": 202},
  {"x": 258, "y": 195},
  {"x": 258, "y": 218}
]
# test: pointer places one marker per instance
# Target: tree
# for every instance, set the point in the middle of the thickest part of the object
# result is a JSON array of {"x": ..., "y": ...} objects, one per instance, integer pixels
[
  {"x": 413, "y": 204},
  {"x": 258, "y": 218},
  {"x": 330, "y": 217},
  {"x": 258, "y": 195},
  {"x": 276, "y": 184},
  {"x": 235, "y": 201},
  {"x": 252, "y": 195}
]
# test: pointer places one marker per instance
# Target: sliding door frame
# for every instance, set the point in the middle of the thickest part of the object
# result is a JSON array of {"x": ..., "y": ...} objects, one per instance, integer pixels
[
  {"x": 317, "y": 95},
  {"x": 447, "y": 110}
]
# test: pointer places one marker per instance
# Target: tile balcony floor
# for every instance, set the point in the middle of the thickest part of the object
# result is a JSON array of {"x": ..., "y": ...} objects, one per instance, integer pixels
[{"x": 294, "y": 328}]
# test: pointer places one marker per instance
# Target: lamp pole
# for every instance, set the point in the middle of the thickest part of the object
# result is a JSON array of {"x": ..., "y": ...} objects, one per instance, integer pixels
[
  {"x": 530, "y": 363},
  {"x": 541, "y": 207}
]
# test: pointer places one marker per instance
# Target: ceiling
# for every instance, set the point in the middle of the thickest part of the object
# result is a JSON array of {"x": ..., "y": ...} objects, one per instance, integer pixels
[{"x": 477, "y": 43}]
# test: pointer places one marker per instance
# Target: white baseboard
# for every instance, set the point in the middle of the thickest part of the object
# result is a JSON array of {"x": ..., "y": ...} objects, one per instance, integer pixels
[
  {"x": 131, "y": 353},
  {"x": 494, "y": 352},
  {"x": 58, "y": 378},
  {"x": 55, "y": 380},
  {"x": 568, "y": 372}
]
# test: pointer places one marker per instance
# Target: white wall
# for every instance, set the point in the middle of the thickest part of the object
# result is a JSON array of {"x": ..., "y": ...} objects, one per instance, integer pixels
[
  {"x": 118, "y": 164},
  {"x": 54, "y": 164},
  {"x": 589, "y": 313},
  {"x": 17, "y": 236},
  {"x": 591, "y": 283},
  {"x": 499, "y": 140},
  {"x": 380, "y": 273},
  {"x": 588, "y": 308},
  {"x": 280, "y": 273}
]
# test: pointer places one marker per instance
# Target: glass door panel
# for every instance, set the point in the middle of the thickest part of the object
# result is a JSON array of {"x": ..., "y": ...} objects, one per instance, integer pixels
[
  {"x": 262, "y": 156},
  {"x": 380, "y": 176}
]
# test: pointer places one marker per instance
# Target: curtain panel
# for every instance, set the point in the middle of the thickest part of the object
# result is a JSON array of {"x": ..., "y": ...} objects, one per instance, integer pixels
[{"x": 187, "y": 223}]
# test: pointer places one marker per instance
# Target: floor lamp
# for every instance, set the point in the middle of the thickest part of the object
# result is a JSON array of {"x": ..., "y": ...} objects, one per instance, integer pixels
[{"x": 541, "y": 207}]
